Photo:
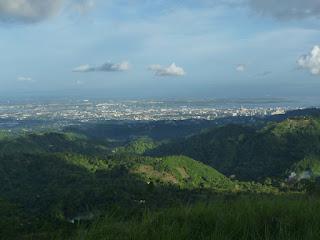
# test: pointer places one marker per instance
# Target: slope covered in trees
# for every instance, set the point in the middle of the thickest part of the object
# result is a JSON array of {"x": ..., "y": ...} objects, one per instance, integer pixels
[
  {"x": 251, "y": 153},
  {"x": 51, "y": 180}
]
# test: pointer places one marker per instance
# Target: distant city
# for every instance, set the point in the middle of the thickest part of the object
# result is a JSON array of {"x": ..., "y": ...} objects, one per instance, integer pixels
[{"x": 86, "y": 110}]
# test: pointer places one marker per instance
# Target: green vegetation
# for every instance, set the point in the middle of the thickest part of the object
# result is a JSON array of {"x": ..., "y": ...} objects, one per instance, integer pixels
[
  {"x": 182, "y": 172},
  {"x": 124, "y": 130},
  {"x": 310, "y": 164},
  {"x": 52, "y": 142},
  {"x": 249, "y": 153},
  {"x": 242, "y": 218},
  {"x": 75, "y": 185},
  {"x": 138, "y": 146}
]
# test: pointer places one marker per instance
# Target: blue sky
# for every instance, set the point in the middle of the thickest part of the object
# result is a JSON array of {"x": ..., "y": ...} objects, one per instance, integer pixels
[{"x": 160, "y": 48}]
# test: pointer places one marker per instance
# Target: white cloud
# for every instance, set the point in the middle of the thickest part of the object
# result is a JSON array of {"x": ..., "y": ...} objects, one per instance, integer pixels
[
  {"x": 84, "y": 68},
  {"x": 114, "y": 67},
  {"x": 311, "y": 61},
  {"x": 241, "y": 67},
  {"x": 172, "y": 70},
  {"x": 107, "y": 67},
  {"x": 25, "y": 79}
]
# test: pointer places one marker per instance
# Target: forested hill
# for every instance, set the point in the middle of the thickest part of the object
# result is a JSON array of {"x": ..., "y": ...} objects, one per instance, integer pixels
[
  {"x": 62, "y": 175},
  {"x": 249, "y": 153},
  {"x": 52, "y": 142}
]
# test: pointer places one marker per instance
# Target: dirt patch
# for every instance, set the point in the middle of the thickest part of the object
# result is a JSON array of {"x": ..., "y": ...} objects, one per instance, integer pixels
[
  {"x": 149, "y": 171},
  {"x": 183, "y": 172}
]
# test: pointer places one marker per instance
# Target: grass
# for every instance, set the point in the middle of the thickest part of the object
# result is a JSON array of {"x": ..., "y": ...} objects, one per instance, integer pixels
[{"x": 244, "y": 218}]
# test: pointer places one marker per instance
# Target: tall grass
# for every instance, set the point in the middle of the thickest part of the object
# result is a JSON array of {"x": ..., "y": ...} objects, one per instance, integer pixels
[{"x": 265, "y": 218}]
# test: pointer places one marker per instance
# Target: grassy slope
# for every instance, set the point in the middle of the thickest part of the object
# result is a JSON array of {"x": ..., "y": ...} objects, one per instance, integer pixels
[
  {"x": 184, "y": 172},
  {"x": 246, "y": 218}
]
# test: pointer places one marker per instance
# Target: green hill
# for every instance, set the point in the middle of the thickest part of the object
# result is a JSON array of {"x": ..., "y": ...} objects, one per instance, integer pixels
[
  {"x": 137, "y": 147},
  {"x": 52, "y": 142},
  {"x": 51, "y": 179},
  {"x": 183, "y": 172},
  {"x": 249, "y": 153},
  {"x": 63, "y": 183}
]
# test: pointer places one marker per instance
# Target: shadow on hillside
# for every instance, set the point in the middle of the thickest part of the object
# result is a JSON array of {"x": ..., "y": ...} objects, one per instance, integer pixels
[{"x": 48, "y": 185}]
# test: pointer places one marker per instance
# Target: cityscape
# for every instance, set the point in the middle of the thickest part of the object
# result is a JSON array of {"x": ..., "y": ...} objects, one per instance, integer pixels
[{"x": 138, "y": 110}]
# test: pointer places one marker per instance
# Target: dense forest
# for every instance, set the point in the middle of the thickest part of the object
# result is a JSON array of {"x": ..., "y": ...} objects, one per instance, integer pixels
[
  {"x": 170, "y": 180},
  {"x": 252, "y": 153}
]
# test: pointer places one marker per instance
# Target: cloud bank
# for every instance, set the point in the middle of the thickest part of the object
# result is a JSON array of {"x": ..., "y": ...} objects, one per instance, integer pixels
[
  {"x": 107, "y": 67},
  {"x": 28, "y": 10},
  {"x": 31, "y": 11},
  {"x": 286, "y": 9},
  {"x": 171, "y": 71},
  {"x": 311, "y": 61}
]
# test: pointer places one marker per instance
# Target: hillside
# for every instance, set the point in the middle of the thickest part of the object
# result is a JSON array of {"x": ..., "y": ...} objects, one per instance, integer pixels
[
  {"x": 55, "y": 179},
  {"x": 59, "y": 177},
  {"x": 183, "y": 172},
  {"x": 249, "y": 153},
  {"x": 51, "y": 142},
  {"x": 244, "y": 218},
  {"x": 128, "y": 130}
]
